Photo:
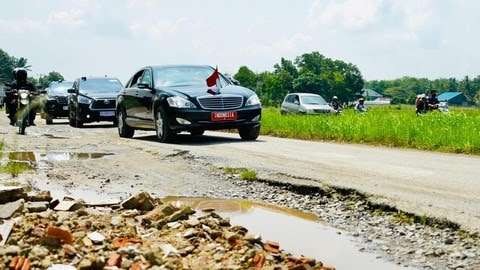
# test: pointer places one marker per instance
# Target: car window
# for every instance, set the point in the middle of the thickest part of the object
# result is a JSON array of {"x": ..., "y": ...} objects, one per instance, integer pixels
[
  {"x": 313, "y": 100},
  {"x": 184, "y": 76},
  {"x": 295, "y": 99},
  {"x": 289, "y": 99},
  {"x": 136, "y": 78},
  {"x": 100, "y": 85},
  {"x": 59, "y": 88},
  {"x": 147, "y": 77}
]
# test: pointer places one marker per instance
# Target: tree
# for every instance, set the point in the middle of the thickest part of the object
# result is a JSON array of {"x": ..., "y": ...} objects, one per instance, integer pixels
[
  {"x": 53, "y": 76},
  {"x": 246, "y": 77},
  {"x": 8, "y": 64}
]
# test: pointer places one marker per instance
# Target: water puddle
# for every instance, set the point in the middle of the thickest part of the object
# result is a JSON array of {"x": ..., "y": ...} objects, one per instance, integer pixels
[
  {"x": 297, "y": 232},
  {"x": 35, "y": 157}
]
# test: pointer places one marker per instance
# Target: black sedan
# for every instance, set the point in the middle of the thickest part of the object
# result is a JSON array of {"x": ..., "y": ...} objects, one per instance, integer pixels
[
  {"x": 172, "y": 99},
  {"x": 93, "y": 100},
  {"x": 56, "y": 104}
]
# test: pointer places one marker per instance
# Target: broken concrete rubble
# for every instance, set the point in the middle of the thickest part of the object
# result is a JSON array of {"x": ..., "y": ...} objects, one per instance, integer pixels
[
  {"x": 7, "y": 210},
  {"x": 11, "y": 193},
  {"x": 166, "y": 237},
  {"x": 141, "y": 201}
]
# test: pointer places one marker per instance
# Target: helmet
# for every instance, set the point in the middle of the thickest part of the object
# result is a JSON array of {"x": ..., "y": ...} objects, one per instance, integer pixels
[
  {"x": 20, "y": 74},
  {"x": 334, "y": 97}
]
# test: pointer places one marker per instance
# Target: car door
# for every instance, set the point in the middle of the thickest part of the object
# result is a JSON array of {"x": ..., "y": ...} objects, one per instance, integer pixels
[
  {"x": 130, "y": 102},
  {"x": 295, "y": 105},
  {"x": 145, "y": 95}
]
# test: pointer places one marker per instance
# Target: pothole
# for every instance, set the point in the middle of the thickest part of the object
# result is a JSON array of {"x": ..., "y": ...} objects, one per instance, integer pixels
[{"x": 299, "y": 232}]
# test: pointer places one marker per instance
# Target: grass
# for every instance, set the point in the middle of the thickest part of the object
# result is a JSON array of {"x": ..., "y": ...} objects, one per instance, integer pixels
[
  {"x": 457, "y": 131},
  {"x": 12, "y": 167},
  {"x": 15, "y": 168},
  {"x": 243, "y": 173}
]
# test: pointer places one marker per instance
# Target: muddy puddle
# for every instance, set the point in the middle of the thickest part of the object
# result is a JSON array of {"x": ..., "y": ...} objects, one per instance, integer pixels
[
  {"x": 35, "y": 157},
  {"x": 298, "y": 232}
]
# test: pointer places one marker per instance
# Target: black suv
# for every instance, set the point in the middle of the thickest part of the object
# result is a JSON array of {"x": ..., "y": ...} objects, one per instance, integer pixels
[
  {"x": 56, "y": 104},
  {"x": 171, "y": 99},
  {"x": 93, "y": 100}
]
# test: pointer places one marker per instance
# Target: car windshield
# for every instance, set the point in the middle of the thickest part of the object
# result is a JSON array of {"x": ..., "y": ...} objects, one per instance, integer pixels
[
  {"x": 313, "y": 100},
  {"x": 100, "y": 86},
  {"x": 183, "y": 76},
  {"x": 59, "y": 89}
]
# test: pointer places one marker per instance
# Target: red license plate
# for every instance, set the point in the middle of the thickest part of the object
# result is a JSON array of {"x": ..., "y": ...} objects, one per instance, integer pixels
[{"x": 224, "y": 116}]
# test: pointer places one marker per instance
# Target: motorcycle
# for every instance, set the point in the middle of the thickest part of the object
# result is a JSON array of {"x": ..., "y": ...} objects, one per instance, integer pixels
[{"x": 24, "y": 100}]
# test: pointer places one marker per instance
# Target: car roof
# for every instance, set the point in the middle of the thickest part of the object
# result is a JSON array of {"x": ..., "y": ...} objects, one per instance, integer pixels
[
  {"x": 304, "y": 94},
  {"x": 173, "y": 66},
  {"x": 97, "y": 78}
]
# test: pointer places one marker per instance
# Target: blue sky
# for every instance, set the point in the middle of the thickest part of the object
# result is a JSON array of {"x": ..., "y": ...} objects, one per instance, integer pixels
[{"x": 384, "y": 38}]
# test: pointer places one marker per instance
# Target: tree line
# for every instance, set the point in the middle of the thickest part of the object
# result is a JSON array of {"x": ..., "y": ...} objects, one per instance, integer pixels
[
  {"x": 310, "y": 72},
  {"x": 9, "y": 63},
  {"x": 404, "y": 90}
]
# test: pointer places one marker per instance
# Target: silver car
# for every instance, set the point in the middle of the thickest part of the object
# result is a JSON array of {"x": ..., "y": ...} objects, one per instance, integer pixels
[{"x": 305, "y": 103}]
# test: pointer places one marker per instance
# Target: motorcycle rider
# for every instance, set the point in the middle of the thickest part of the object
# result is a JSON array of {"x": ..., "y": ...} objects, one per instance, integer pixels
[
  {"x": 20, "y": 82},
  {"x": 336, "y": 105},
  {"x": 432, "y": 101}
]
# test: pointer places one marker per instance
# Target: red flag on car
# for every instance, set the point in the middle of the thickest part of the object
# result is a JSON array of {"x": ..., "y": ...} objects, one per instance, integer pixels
[{"x": 213, "y": 82}]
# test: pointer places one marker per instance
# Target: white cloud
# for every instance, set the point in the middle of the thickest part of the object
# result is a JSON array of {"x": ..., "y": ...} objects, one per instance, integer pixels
[
  {"x": 349, "y": 14},
  {"x": 73, "y": 17}
]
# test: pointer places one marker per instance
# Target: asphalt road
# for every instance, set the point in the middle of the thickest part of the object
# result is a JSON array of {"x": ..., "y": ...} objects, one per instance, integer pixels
[{"x": 435, "y": 184}]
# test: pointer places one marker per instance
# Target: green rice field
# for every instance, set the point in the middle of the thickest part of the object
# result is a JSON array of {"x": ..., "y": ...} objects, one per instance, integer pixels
[{"x": 457, "y": 131}]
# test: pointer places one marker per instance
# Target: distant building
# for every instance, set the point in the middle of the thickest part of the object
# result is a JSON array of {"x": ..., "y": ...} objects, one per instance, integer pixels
[
  {"x": 374, "y": 98},
  {"x": 453, "y": 98}
]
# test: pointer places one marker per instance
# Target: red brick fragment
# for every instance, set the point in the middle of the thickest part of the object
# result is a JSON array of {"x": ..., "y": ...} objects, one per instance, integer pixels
[
  {"x": 125, "y": 241},
  {"x": 13, "y": 263},
  {"x": 64, "y": 236},
  {"x": 114, "y": 260},
  {"x": 272, "y": 247},
  {"x": 19, "y": 263},
  {"x": 258, "y": 261}
]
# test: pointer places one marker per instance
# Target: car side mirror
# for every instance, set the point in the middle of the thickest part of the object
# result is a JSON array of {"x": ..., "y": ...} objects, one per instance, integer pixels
[
  {"x": 296, "y": 102},
  {"x": 71, "y": 91},
  {"x": 143, "y": 86}
]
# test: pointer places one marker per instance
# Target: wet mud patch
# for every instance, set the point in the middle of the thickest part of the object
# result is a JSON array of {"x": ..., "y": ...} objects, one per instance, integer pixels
[
  {"x": 299, "y": 232},
  {"x": 35, "y": 157}
]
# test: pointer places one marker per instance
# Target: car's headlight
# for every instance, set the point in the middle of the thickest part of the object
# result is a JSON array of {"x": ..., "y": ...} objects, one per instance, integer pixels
[
  {"x": 180, "y": 102},
  {"x": 253, "y": 100},
  {"x": 84, "y": 100}
]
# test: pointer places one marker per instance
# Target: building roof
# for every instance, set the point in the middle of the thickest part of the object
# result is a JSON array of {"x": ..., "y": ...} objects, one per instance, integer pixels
[
  {"x": 446, "y": 96},
  {"x": 371, "y": 93}
]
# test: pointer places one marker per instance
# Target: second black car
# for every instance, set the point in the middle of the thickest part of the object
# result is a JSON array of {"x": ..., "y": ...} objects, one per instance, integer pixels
[{"x": 93, "y": 100}]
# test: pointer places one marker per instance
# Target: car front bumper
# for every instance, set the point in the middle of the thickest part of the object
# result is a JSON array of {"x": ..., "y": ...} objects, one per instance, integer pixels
[
  {"x": 200, "y": 119},
  {"x": 86, "y": 114},
  {"x": 55, "y": 109}
]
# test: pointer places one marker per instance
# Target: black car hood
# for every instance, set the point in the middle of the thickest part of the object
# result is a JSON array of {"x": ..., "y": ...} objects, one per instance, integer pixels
[
  {"x": 197, "y": 91},
  {"x": 100, "y": 95}
]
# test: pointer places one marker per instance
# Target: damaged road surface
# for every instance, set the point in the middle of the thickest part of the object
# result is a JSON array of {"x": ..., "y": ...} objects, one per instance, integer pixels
[{"x": 91, "y": 171}]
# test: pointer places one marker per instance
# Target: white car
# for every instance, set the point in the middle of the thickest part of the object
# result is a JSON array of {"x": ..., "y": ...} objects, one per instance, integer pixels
[{"x": 305, "y": 103}]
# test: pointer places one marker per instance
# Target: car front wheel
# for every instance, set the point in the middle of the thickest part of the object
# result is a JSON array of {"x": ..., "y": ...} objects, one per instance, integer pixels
[
  {"x": 249, "y": 133},
  {"x": 124, "y": 130},
  {"x": 164, "y": 133}
]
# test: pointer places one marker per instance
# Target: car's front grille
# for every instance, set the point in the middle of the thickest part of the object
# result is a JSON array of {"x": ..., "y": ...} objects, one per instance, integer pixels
[
  {"x": 104, "y": 104},
  {"x": 220, "y": 102},
  {"x": 62, "y": 100}
]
